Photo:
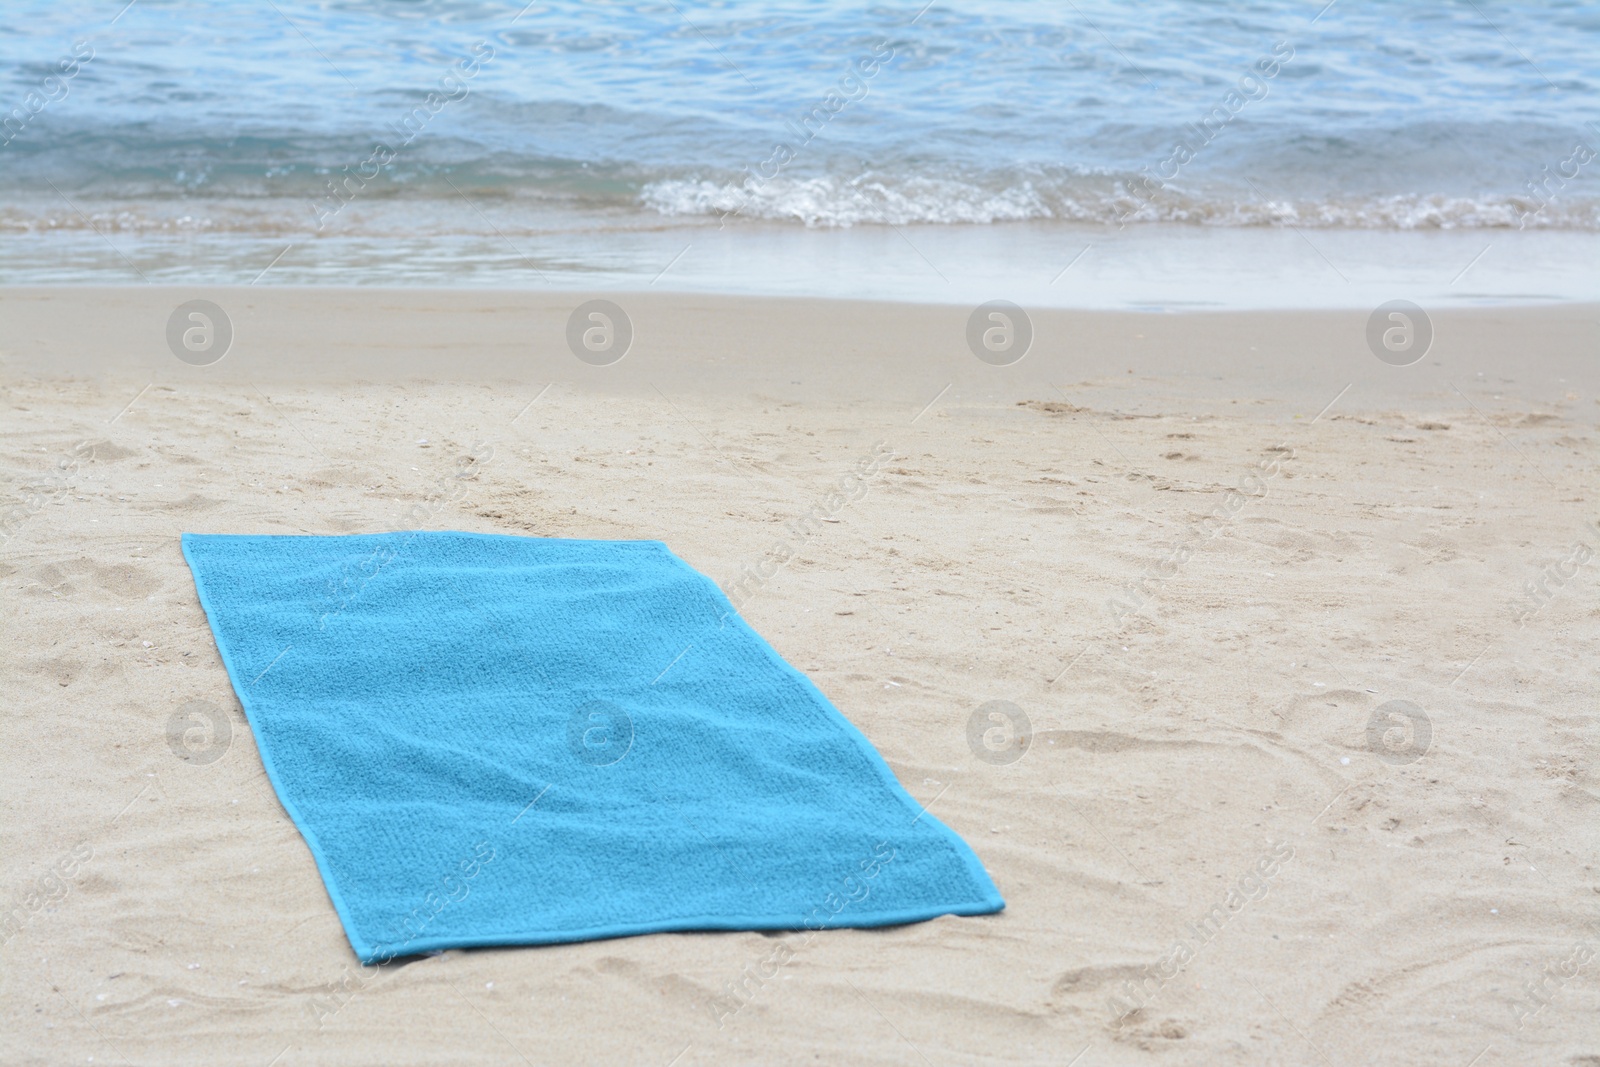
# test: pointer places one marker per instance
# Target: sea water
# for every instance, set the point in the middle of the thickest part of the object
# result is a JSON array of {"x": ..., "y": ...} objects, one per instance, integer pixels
[{"x": 1153, "y": 154}]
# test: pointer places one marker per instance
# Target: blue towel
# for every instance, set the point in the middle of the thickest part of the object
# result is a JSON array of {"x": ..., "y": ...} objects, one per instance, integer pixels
[{"x": 492, "y": 740}]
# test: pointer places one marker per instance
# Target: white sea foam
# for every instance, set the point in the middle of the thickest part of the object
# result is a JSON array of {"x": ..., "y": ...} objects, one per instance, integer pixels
[{"x": 831, "y": 202}]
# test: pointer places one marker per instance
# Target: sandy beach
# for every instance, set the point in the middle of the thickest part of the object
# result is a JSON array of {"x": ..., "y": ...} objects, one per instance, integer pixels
[{"x": 1306, "y": 644}]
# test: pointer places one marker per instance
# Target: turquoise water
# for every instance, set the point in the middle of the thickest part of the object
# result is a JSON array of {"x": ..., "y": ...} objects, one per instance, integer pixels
[{"x": 404, "y": 141}]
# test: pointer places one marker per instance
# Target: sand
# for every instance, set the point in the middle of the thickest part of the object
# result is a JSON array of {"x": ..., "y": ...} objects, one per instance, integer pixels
[{"x": 1208, "y": 556}]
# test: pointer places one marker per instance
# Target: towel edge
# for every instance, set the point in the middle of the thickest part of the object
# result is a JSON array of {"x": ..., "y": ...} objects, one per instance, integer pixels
[{"x": 685, "y": 925}]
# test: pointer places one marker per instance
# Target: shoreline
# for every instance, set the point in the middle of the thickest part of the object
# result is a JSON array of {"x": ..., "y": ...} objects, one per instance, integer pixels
[
  {"x": 791, "y": 348},
  {"x": 1145, "y": 266}
]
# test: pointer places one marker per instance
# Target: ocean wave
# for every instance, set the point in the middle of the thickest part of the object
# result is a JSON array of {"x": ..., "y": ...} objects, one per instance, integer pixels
[
  {"x": 827, "y": 202},
  {"x": 463, "y": 207},
  {"x": 176, "y": 179}
]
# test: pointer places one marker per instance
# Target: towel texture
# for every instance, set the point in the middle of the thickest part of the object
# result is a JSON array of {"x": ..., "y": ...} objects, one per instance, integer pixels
[{"x": 492, "y": 740}]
